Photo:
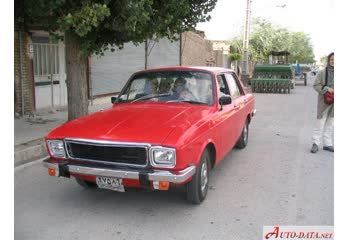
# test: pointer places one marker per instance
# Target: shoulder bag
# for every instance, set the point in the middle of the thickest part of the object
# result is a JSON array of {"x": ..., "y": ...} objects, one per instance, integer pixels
[{"x": 328, "y": 96}]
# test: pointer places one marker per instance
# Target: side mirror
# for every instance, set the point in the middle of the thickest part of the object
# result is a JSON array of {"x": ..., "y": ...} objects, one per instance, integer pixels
[
  {"x": 113, "y": 99},
  {"x": 225, "y": 100}
]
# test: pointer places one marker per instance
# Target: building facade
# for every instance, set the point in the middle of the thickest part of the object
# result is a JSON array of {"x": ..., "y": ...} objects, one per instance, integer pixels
[
  {"x": 39, "y": 72},
  {"x": 40, "y": 75},
  {"x": 110, "y": 72},
  {"x": 23, "y": 75}
]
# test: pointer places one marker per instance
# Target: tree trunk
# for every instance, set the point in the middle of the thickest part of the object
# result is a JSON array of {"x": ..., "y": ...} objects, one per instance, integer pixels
[{"x": 76, "y": 67}]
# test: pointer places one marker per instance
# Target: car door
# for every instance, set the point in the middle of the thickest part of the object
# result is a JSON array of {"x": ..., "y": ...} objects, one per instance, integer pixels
[
  {"x": 238, "y": 101},
  {"x": 226, "y": 118}
]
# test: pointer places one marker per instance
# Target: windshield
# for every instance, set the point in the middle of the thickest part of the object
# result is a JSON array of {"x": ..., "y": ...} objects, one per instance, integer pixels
[{"x": 195, "y": 87}]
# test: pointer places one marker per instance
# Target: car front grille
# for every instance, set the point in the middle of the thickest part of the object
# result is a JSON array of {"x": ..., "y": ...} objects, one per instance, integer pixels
[{"x": 107, "y": 152}]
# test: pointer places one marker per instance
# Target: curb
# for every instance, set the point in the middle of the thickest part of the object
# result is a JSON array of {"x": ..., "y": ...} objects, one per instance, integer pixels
[
  {"x": 28, "y": 152},
  {"x": 25, "y": 165}
]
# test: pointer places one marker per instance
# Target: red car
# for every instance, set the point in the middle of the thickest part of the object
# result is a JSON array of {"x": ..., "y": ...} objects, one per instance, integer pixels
[{"x": 168, "y": 127}]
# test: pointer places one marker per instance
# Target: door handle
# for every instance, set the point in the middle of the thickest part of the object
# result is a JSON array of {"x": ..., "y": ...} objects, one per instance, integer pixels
[
  {"x": 236, "y": 107},
  {"x": 245, "y": 100}
]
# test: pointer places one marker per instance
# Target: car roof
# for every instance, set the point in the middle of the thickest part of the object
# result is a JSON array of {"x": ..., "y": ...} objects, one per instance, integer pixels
[{"x": 179, "y": 68}]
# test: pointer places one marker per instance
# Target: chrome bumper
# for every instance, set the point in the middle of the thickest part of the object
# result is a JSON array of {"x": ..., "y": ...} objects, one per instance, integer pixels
[{"x": 156, "y": 175}]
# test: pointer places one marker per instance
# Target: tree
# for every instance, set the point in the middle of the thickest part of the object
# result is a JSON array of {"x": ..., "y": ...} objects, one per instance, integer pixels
[
  {"x": 235, "y": 57},
  {"x": 93, "y": 26},
  {"x": 266, "y": 37},
  {"x": 323, "y": 60},
  {"x": 300, "y": 48}
]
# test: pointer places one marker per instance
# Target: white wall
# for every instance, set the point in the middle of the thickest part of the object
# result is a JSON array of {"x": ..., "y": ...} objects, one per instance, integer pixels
[{"x": 110, "y": 72}]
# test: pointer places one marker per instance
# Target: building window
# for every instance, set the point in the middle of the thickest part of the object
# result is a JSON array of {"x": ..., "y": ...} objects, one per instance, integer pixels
[{"x": 45, "y": 59}]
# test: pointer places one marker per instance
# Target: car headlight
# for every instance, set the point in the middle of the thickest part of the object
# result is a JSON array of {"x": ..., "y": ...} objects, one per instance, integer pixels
[
  {"x": 163, "y": 157},
  {"x": 56, "y": 148}
]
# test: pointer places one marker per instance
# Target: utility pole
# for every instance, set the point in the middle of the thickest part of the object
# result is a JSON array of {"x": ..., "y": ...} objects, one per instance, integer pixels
[{"x": 245, "y": 66}]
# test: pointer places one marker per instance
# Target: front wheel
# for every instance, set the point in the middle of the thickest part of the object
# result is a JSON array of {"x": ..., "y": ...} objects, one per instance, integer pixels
[
  {"x": 197, "y": 188},
  {"x": 243, "y": 140}
]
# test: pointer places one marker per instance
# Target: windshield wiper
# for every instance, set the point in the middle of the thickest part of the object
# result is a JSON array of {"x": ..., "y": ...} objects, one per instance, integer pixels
[
  {"x": 188, "y": 101},
  {"x": 150, "y": 96}
]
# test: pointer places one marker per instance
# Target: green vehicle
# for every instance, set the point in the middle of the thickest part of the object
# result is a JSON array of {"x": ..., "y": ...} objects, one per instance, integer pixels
[{"x": 276, "y": 77}]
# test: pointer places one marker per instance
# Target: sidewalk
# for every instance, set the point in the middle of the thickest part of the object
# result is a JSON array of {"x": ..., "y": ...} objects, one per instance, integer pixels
[{"x": 29, "y": 132}]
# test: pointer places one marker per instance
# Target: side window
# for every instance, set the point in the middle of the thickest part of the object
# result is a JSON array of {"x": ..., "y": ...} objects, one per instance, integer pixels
[
  {"x": 234, "y": 88},
  {"x": 223, "y": 88},
  {"x": 239, "y": 84}
]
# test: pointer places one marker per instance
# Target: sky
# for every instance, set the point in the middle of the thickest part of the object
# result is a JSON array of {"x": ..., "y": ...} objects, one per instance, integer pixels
[{"x": 313, "y": 17}]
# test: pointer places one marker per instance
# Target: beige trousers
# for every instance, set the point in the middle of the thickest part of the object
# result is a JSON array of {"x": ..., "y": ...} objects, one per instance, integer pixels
[{"x": 324, "y": 130}]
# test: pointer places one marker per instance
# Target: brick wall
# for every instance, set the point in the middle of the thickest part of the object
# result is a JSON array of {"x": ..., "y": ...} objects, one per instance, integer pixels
[
  {"x": 26, "y": 74},
  {"x": 197, "y": 51}
]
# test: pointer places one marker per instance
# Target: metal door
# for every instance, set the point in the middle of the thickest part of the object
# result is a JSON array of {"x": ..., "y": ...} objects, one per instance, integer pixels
[{"x": 49, "y": 75}]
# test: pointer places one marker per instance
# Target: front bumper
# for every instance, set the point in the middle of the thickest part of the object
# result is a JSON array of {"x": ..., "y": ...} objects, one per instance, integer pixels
[{"x": 154, "y": 175}]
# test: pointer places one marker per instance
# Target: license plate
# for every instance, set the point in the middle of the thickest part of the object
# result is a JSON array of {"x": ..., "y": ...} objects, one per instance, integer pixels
[{"x": 115, "y": 184}]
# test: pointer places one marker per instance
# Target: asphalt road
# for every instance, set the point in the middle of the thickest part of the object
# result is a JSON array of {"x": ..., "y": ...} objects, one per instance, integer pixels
[{"x": 275, "y": 180}]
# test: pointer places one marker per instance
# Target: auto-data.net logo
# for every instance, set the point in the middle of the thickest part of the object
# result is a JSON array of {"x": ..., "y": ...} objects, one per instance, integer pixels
[{"x": 298, "y": 232}]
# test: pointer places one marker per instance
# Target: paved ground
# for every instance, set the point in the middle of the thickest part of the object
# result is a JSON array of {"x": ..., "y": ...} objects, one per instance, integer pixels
[{"x": 275, "y": 180}]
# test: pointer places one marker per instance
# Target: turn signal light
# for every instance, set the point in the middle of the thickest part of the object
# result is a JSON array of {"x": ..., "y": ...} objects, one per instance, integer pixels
[
  {"x": 52, "y": 172},
  {"x": 163, "y": 185}
]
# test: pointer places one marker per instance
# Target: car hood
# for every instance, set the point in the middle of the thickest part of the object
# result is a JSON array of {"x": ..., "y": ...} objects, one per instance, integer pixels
[{"x": 144, "y": 122}]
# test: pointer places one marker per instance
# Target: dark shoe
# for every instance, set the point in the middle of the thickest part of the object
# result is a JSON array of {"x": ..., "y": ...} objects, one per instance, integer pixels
[
  {"x": 314, "y": 148},
  {"x": 328, "y": 148}
]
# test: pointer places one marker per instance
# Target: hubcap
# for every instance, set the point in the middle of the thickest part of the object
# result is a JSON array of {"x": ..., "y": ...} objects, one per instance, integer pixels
[
  {"x": 245, "y": 134},
  {"x": 204, "y": 176}
]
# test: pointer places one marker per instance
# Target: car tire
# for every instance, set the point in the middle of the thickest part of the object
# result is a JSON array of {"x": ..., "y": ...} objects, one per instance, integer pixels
[
  {"x": 197, "y": 188},
  {"x": 85, "y": 184},
  {"x": 243, "y": 140}
]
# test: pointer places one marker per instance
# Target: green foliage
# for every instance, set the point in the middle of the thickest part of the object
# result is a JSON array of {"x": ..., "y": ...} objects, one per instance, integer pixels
[
  {"x": 85, "y": 19},
  {"x": 265, "y": 37},
  {"x": 301, "y": 48},
  {"x": 235, "y": 56},
  {"x": 99, "y": 24}
]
